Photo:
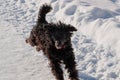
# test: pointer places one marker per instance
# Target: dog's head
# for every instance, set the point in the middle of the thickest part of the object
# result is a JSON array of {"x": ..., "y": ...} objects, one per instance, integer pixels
[{"x": 60, "y": 34}]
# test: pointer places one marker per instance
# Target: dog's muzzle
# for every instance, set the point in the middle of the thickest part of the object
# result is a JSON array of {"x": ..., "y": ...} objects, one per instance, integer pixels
[{"x": 59, "y": 45}]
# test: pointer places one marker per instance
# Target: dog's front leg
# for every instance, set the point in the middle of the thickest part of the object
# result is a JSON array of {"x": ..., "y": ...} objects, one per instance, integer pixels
[
  {"x": 56, "y": 69},
  {"x": 70, "y": 65}
]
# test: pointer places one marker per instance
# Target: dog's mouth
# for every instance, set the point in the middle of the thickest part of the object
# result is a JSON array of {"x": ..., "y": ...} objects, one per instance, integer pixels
[{"x": 60, "y": 47}]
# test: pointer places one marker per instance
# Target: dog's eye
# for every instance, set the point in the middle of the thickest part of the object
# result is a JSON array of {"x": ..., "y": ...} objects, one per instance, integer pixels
[{"x": 53, "y": 38}]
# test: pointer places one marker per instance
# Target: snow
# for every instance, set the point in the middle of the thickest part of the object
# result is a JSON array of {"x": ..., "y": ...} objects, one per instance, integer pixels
[{"x": 96, "y": 43}]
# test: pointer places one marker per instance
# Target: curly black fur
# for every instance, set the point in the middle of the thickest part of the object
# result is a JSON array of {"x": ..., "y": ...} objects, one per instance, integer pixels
[{"x": 55, "y": 41}]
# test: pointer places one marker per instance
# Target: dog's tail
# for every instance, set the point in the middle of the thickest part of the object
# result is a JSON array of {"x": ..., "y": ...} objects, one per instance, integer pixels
[{"x": 42, "y": 13}]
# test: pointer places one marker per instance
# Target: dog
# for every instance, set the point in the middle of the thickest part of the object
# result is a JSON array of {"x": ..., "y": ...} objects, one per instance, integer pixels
[{"x": 54, "y": 39}]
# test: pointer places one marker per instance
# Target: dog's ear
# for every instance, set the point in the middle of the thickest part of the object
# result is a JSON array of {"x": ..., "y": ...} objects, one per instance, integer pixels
[{"x": 70, "y": 28}]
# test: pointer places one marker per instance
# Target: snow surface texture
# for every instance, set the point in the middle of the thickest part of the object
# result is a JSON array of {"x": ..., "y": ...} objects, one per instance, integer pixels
[{"x": 96, "y": 43}]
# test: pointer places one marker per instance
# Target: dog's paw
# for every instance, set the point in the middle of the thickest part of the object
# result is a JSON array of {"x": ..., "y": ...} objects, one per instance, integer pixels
[
  {"x": 38, "y": 48},
  {"x": 27, "y": 40},
  {"x": 74, "y": 79}
]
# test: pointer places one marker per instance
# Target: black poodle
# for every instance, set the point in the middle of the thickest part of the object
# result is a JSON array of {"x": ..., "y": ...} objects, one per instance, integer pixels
[{"x": 55, "y": 41}]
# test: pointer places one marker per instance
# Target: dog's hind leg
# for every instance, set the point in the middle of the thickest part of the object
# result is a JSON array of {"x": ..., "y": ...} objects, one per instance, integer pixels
[
  {"x": 56, "y": 70},
  {"x": 70, "y": 65}
]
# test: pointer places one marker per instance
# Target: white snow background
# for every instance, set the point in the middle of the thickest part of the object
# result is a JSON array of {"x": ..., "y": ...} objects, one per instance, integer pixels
[{"x": 96, "y": 43}]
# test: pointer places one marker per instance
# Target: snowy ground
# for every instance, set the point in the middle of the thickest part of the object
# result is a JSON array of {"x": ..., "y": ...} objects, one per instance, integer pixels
[{"x": 96, "y": 43}]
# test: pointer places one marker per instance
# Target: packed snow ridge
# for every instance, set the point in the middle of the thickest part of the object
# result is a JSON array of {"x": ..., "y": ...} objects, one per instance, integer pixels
[{"x": 96, "y": 43}]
